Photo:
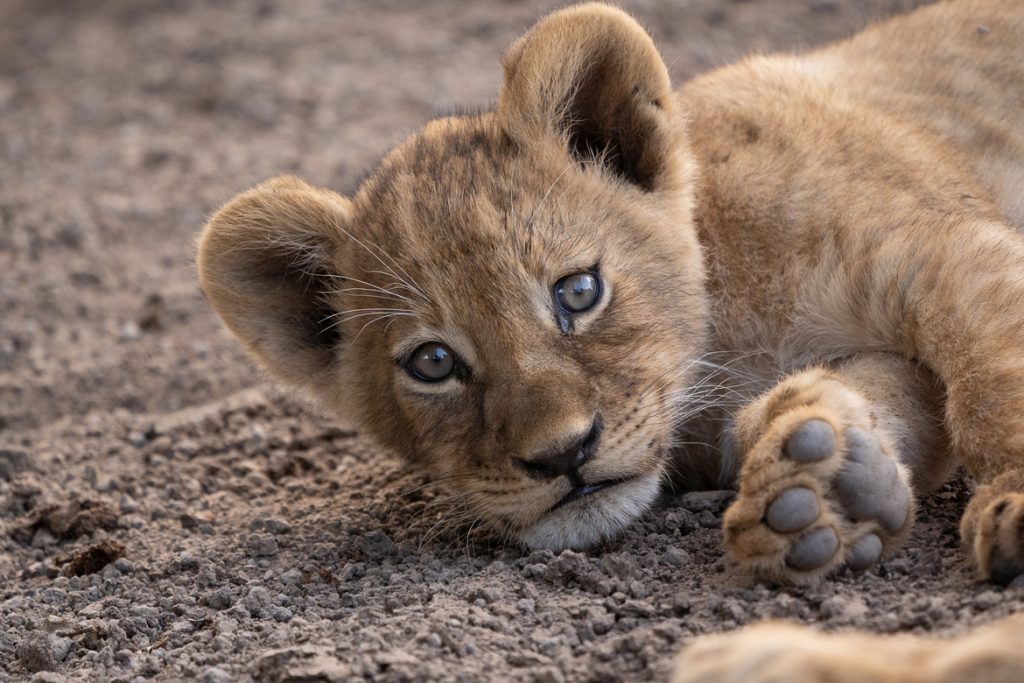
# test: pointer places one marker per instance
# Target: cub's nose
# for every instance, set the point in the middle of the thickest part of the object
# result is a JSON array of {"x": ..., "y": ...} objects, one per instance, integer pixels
[{"x": 563, "y": 460}]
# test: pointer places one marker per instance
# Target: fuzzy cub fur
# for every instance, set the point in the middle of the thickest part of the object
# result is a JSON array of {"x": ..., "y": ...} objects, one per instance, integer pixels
[{"x": 801, "y": 275}]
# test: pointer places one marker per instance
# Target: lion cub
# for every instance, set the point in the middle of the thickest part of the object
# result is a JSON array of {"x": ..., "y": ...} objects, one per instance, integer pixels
[{"x": 801, "y": 274}]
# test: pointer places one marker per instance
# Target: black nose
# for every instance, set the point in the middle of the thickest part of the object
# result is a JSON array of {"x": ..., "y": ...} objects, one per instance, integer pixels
[{"x": 565, "y": 459}]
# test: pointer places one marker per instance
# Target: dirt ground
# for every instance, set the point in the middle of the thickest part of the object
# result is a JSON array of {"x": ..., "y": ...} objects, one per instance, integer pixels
[{"x": 167, "y": 514}]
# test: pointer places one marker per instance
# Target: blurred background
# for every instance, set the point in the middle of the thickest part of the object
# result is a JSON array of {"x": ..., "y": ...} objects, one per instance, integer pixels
[{"x": 123, "y": 123}]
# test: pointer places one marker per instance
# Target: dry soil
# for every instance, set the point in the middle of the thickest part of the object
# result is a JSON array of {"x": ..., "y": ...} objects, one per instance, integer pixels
[{"x": 167, "y": 514}]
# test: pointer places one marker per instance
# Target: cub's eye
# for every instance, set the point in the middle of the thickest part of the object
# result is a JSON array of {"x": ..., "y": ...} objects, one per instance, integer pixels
[
  {"x": 577, "y": 292},
  {"x": 431, "y": 362}
]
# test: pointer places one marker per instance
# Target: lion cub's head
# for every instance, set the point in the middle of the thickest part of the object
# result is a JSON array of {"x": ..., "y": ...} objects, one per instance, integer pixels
[{"x": 512, "y": 298}]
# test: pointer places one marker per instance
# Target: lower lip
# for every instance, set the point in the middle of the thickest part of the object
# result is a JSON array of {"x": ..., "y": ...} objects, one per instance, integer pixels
[{"x": 586, "y": 490}]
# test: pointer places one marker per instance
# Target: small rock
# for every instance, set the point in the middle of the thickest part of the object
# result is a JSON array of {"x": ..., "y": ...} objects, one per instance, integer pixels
[
  {"x": 988, "y": 599},
  {"x": 377, "y": 545},
  {"x": 187, "y": 560},
  {"x": 619, "y": 566},
  {"x": 700, "y": 501},
  {"x": 291, "y": 577},
  {"x": 12, "y": 462},
  {"x": 567, "y": 566},
  {"x": 130, "y": 331},
  {"x": 636, "y": 608},
  {"x": 849, "y": 610},
  {"x": 257, "y": 600},
  {"x": 47, "y": 677},
  {"x": 281, "y": 614},
  {"x": 676, "y": 557},
  {"x": 124, "y": 566},
  {"x": 71, "y": 234},
  {"x": 222, "y": 598},
  {"x": 262, "y": 545},
  {"x": 215, "y": 675},
  {"x": 277, "y": 526},
  {"x": 128, "y": 504},
  {"x": 41, "y": 651}
]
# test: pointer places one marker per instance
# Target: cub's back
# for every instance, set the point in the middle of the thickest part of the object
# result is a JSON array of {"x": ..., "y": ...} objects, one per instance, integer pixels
[{"x": 956, "y": 68}]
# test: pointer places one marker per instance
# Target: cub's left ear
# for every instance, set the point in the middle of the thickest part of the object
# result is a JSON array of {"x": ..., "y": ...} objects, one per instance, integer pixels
[
  {"x": 267, "y": 263},
  {"x": 590, "y": 78}
]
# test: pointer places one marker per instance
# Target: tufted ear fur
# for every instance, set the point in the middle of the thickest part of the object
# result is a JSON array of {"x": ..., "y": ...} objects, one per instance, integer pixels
[
  {"x": 591, "y": 77},
  {"x": 265, "y": 264}
]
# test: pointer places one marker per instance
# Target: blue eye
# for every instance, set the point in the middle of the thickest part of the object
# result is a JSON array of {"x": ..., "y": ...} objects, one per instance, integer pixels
[
  {"x": 431, "y": 362},
  {"x": 578, "y": 292}
]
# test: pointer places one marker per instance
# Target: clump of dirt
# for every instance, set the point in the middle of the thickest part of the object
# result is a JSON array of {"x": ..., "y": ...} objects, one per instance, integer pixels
[
  {"x": 260, "y": 540},
  {"x": 68, "y": 520},
  {"x": 91, "y": 559}
]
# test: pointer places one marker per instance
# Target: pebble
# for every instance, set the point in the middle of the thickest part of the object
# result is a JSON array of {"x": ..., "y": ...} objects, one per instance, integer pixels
[
  {"x": 279, "y": 613},
  {"x": 262, "y": 545},
  {"x": 619, "y": 566},
  {"x": 215, "y": 675},
  {"x": 257, "y": 600},
  {"x": 47, "y": 677},
  {"x": 291, "y": 577},
  {"x": 849, "y": 610},
  {"x": 676, "y": 557},
  {"x": 377, "y": 545},
  {"x": 222, "y": 598},
  {"x": 130, "y": 331},
  {"x": 125, "y": 566},
  {"x": 988, "y": 599},
  {"x": 41, "y": 651},
  {"x": 277, "y": 526}
]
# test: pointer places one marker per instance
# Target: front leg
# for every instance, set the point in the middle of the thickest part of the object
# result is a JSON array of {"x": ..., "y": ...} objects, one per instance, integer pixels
[
  {"x": 831, "y": 458},
  {"x": 773, "y": 651}
]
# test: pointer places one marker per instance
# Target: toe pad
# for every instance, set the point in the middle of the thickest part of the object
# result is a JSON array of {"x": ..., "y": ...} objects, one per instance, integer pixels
[
  {"x": 814, "y": 549},
  {"x": 812, "y": 441},
  {"x": 864, "y": 553},
  {"x": 794, "y": 509}
]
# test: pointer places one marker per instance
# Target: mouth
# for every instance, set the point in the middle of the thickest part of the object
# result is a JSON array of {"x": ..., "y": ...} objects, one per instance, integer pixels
[
  {"x": 581, "y": 490},
  {"x": 592, "y": 518}
]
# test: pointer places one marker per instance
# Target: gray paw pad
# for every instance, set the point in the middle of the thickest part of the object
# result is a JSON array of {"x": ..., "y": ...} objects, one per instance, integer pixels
[
  {"x": 794, "y": 509},
  {"x": 814, "y": 549},
  {"x": 868, "y": 485},
  {"x": 812, "y": 441},
  {"x": 864, "y": 553}
]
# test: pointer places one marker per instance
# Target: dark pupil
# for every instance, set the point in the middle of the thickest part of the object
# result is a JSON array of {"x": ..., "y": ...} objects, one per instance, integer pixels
[
  {"x": 432, "y": 362},
  {"x": 578, "y": 292}
]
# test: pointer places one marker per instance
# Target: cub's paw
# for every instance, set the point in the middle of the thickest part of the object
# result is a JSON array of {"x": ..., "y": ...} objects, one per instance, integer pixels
[
  {"x": 817, "y": 493},
  {"x": 993, "y": 528}
]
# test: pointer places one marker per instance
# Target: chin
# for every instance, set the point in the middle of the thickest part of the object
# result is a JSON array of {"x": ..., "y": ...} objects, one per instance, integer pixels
[{"x": 595, "y": 518}]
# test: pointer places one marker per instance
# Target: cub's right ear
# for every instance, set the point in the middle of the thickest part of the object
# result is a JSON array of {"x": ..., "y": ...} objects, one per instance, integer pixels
[
  {"x": 267, "y": 262},
  {"x": 590, "y": 79}
]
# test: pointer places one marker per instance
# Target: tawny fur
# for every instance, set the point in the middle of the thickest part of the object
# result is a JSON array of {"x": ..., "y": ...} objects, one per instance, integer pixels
[{"x": 832, "y": 236}]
